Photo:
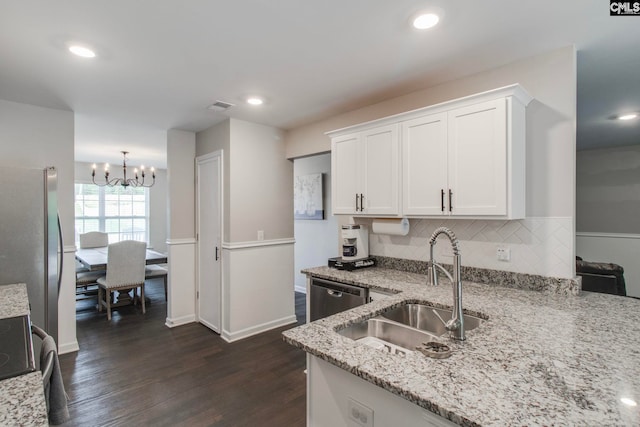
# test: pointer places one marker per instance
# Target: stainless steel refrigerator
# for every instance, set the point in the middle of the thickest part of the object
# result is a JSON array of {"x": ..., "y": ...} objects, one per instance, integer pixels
[{"x": 31, "y": 240}]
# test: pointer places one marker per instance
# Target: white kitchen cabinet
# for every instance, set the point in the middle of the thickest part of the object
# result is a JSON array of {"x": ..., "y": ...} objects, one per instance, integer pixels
[
  {"x": 477, "y": 158},
  {"x": 463, "y": 158},
  {"x": 424, "y": 165},
  {"x": 461, "y": 163},
  {"x": 365, "y": 172},
  {"x": 345, "y": 178},
  {"x": 334, "y": 393}
]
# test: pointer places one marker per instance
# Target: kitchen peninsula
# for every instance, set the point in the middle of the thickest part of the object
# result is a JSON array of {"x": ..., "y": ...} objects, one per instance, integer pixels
[
  {"x": 21, "y": 398},
  {"x": 539, "y": 358}
]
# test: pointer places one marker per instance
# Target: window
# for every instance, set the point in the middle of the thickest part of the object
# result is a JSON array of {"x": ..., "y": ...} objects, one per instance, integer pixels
[{"x": 120, "y": 212}]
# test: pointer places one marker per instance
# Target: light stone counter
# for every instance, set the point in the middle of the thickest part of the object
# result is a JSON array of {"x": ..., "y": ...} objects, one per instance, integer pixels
[
  {"x": 13, "y": 300},
  {"x": 22, "y": 401},
  {"x": 21, "y": 398},
  {"x": 538, "y": 359}
]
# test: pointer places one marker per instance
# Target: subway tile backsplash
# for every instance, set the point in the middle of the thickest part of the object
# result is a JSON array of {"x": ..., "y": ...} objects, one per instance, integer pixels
[{"x": 540, "y": 246}]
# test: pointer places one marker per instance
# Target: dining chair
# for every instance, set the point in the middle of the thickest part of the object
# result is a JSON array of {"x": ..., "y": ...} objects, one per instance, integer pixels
[
  {"x": 125, "y": 270},
  {"x": 155, "y": 271},
  {"x": 94, "y": 239},
  {"x": 84, "y": 277}
]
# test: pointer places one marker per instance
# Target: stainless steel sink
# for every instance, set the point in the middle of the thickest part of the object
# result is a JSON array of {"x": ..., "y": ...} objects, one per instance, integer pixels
[
  {"x": 389, "y": 332},
  {"x": 423, "y": 317}
]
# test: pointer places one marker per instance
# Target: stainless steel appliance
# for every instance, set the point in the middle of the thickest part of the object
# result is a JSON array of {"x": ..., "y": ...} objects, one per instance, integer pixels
[
  {"x": 16, "y": 347},
  {"x": 31, "y": 240},
  {"x": 328, "y": 297},
  {"x": 355, "y": 242}
]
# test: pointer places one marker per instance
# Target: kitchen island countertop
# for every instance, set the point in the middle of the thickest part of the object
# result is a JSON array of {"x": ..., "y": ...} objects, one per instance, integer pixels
[{"x": 538, "y": 359}]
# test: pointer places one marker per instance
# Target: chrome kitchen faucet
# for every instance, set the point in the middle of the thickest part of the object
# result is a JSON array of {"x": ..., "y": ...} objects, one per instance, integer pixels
[{"x": 455, "y": 326}]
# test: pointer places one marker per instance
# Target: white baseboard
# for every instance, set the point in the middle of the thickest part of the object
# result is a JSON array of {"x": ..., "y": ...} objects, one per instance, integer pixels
[
  {"x": 210, "y": 326},
  {"x": 301, "y": 289},
  {"x": 254, "y": 330},
  {"x": 178, "y": 321},
  {"x": 69, "y": 347}
]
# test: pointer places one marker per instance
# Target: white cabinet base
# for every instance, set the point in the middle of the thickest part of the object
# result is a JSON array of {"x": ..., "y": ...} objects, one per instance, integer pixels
[{"x": 330, "y": 389}]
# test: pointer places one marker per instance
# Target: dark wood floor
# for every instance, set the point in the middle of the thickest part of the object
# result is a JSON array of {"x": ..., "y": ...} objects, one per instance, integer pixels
[{"x": 134, "y": 371}]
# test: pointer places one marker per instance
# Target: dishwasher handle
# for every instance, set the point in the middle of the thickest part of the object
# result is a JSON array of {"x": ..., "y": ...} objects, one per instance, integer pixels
[
  {"x": 340, "y": 287},
  {"x": 334, "y": 294}
]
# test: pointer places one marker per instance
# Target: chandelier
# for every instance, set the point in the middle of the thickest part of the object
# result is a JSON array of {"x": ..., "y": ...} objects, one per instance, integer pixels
[{"x": 125, "y": 182}]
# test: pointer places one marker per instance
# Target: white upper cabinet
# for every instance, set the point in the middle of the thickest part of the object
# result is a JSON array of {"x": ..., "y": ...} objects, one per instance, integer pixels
[
  {"x": 463, "y": 158},
  {"x": 477, "y": 150},
  {"x": 365, "y": 172},
  {"x": 345, "y": 169},
  {"x": 424, "y": 165}
]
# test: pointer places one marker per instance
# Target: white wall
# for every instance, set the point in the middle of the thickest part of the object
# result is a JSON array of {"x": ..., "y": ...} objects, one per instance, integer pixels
[
  {"x": 257, "y": 275},
  {"x": 32, "y": 136},
  {"x": 551, "y": 79},
  {"x": 157, "y": 202},
  {"x": 315, "y": 240},
  {"x": 608, "y": 209},
  {"x": 218, "y": 137},
  {"x": 608, "y": 190},
  {"x": 181, "y": 219},
  {"x": 261, "y": 183}
]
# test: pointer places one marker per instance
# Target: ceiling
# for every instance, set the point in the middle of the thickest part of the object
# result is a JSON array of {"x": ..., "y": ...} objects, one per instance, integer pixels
[{"x": 160, "y": 63}]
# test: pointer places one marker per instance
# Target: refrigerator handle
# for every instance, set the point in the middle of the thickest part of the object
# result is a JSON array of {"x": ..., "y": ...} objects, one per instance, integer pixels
[{"x": 61, "y": 255}]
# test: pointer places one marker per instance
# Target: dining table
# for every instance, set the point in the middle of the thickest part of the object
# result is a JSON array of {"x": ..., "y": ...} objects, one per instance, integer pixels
[{"x": 95, "y": 259}]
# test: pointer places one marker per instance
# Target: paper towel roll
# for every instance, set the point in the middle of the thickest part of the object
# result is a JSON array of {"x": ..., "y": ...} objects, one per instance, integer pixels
[{"x": 391, "y": 226}]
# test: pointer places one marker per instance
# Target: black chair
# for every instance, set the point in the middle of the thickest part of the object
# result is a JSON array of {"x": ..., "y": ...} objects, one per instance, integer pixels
[{"x": 601, "y": 277}]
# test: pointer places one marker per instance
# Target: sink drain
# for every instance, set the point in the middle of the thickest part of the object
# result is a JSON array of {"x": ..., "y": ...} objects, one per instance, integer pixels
[{"x": 434, "y": 349}]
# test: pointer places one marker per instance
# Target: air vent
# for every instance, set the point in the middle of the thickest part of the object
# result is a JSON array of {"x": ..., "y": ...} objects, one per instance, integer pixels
[{"x": 220, "y": 106}]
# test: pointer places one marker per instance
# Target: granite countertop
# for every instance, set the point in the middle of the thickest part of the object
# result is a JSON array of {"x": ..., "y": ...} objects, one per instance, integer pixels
[
  {"x": 22, "y": 401},
  {"x": 13, "y": 300},
  {"x": 537, "y": 359},
  {"x": 21, "y": 398}
]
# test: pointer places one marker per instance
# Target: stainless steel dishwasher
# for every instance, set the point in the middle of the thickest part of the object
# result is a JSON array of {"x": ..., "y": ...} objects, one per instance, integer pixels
[{"x": 328, "y": 297}]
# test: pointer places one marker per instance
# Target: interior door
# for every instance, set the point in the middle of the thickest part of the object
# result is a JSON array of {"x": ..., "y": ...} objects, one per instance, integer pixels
[{"x": 209, "y": 234}]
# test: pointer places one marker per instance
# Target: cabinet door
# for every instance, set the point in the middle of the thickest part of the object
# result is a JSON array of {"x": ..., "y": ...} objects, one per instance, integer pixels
[
  {"x": 344, "y": 173},
  {"x": 380, "y": 178},
  {"x": 424, "y": 165},
  {"x": 478, "y": 159}
]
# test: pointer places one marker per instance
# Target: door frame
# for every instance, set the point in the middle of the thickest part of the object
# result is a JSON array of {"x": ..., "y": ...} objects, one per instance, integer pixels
[{"x": 198, "y": 161}]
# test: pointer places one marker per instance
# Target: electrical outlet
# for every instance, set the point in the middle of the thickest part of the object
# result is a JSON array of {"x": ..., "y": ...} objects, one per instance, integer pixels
[
  {"x": 260, "y": 234},
  {"x": 359, "y": 413},
  {"x": 503, "y": 254}
]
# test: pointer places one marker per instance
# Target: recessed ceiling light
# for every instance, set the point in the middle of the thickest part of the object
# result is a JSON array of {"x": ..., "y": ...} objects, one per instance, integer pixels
[
  {"x": 628, "y": 402},
  {"x": 82, "y": 51},
  {"x": 630, "y": 116},
  {"x": 254, "y": 100},
  {"x": 425, "y": 21}
]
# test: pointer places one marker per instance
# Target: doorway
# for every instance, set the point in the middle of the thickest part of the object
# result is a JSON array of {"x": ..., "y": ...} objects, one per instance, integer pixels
[
  {"x": 316, "y": 240},
  {"x": 209, "y": 240}
]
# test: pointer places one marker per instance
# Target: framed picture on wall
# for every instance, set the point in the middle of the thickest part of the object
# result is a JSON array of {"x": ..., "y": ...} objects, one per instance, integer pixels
[{"x": 307, "y": 197}]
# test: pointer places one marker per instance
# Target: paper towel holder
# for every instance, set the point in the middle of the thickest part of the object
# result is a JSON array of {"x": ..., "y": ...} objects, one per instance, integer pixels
[{"x": 390, "y": 226}]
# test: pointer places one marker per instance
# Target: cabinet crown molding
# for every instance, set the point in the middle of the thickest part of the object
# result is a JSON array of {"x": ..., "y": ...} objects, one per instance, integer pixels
[{"x": 515, "y": 91}]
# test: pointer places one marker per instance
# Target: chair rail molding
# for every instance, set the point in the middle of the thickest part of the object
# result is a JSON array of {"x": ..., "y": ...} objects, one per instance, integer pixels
[
  {"x": 183, "y": 241},
  {"x": 257, "y": 243}
]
